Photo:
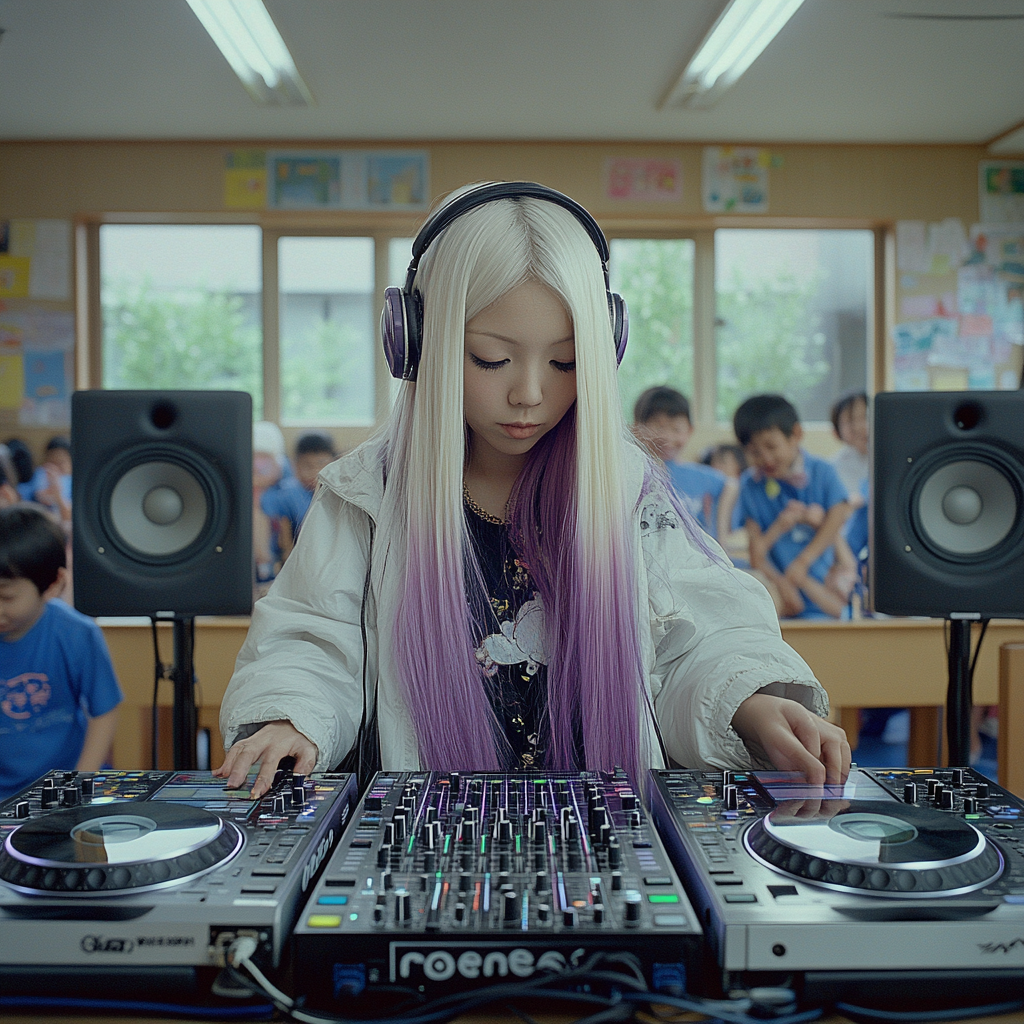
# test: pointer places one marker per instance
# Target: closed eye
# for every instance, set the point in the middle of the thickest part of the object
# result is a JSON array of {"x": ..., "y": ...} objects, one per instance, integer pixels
[
  {"x": 485, "y": 365},
  {"x": 564, "y": 367}
]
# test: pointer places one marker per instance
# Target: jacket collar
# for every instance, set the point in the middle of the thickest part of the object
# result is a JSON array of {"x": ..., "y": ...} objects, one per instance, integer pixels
[{"x": 358, "y": 477}]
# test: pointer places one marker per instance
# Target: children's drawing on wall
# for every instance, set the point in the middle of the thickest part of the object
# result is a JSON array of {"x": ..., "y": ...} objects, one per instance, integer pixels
[{"x": 960, "y": 306}]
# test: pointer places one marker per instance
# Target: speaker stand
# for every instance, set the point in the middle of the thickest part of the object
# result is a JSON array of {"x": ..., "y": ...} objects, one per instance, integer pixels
[
  {"x": 959, "y": 696},
  {"x": 183, "y": 674}
]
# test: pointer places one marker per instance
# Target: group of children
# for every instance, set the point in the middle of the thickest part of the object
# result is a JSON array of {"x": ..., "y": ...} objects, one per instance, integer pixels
[{"x": 804, "y": 519}]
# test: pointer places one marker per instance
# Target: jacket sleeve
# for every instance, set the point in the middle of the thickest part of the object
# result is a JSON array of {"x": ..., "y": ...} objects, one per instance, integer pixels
[
  {"x": 303, "y": 657},
  {"x": 716, "y": 641}
]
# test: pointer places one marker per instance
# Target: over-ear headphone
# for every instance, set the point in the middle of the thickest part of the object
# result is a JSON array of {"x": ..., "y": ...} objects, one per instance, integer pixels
[{"x": 401, "y": 322}]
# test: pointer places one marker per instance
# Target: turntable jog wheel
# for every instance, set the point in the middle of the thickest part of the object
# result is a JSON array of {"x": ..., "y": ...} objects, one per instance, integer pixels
[
  {"x": 126, "y": 847},
  {"x": 877, "y": 848}
]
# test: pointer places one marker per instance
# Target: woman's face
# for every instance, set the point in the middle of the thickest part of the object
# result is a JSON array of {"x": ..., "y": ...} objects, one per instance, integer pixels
[{"x": 520, "y": 369}]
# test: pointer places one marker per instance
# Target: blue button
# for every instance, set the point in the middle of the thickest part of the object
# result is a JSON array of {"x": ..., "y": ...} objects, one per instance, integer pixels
[
  {"x": 333, "y": 901},
  {"x": 1013, "y": 899}
]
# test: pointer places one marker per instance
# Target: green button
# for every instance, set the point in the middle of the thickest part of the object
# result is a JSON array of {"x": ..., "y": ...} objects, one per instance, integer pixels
[{"x": 663, "y": 897}]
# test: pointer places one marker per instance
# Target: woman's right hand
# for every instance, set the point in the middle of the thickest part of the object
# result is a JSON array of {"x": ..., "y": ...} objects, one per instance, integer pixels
[{"x": 267, "y": 746}]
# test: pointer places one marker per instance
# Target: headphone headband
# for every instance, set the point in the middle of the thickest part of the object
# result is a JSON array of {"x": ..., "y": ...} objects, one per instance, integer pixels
[
  {"x": 402, "y": 316},
  {"x": 491, "y": 192}
]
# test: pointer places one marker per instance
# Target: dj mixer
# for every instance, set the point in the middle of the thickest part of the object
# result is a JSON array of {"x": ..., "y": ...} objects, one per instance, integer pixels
[
  {"x": 899, "y": 881},
  {"x": 450, "y": 881},
  {"x": 132, "y": 872}
]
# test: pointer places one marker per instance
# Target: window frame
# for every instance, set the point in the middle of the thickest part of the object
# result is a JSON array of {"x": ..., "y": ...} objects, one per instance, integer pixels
[
  {"x": 705, "y": 369},
  {"x": 383, "y": 227}
]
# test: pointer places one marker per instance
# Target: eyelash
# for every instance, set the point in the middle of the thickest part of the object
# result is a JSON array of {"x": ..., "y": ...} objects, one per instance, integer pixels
[{"x": 484, "y": 365}]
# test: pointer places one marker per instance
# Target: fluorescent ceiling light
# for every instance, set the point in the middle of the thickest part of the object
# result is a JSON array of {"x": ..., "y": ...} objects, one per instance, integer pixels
[
  {"x": 247, "y": 36},
  {"x": 742, "y": 31}
]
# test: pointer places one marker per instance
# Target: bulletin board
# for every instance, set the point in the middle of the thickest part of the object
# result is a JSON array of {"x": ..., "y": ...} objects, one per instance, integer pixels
[
  {"x": 37, "y": 335},
  {"x": 959, "y": 312}
]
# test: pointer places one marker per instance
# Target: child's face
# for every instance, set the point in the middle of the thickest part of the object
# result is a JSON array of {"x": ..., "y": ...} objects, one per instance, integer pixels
[
  {"x": 520, "y": 370},
  {"x": 20, "y": 607},
  {"x": 309, "y": 464},
  {"x": 665, "y": 435},
  {"x": 853, "y": 426},
  {"x": 727, "y": 463},
  {"x": 772, "y": 452},
  {"x": 61, "y": 458}
]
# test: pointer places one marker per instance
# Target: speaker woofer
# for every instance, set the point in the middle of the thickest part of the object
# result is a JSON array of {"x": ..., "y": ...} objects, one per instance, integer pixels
[
  {"x": 965, "y": 508},
  {"x": 162, "y": 505}
]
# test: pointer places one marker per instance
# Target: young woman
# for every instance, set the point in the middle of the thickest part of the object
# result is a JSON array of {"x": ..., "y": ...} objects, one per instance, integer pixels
[{"x": 501, "y": 579}]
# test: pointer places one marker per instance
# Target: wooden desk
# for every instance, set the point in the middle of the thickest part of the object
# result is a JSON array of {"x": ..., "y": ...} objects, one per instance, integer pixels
[
  {"x": 868, "y": 663},
  {"x": 901, "y": 663}
]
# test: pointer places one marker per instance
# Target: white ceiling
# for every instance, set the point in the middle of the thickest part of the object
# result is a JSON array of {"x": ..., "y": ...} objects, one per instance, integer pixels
[{"x": 842, "y": 70}]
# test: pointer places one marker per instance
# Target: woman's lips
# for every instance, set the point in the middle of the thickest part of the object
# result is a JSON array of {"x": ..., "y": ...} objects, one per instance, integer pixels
[{"x": 520, "y": 431}]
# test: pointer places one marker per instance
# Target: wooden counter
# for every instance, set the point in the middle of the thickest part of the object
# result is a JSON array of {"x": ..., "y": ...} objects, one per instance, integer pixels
[{"x": 868, "y": 663}]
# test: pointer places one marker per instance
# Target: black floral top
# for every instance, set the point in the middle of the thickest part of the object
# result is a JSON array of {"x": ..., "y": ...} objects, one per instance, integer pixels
[{"x": 513, "y": 655}]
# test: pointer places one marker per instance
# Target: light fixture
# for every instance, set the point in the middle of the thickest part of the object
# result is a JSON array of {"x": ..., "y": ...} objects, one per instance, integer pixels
[
  {"x": 742, "y": 31},
  {"x": 247, "y": 36}
]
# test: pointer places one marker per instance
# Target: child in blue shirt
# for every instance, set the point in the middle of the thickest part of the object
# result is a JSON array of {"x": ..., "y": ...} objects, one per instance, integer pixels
[
  {"x": 58, "y": 691},
  {"x": 287, "y": 502},
  {"x": 794, "y": 507},
  {"x": 661, "y": 419}
]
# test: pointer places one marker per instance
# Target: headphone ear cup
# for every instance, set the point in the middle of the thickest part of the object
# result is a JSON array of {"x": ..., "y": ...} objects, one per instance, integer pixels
[
  {"x": 620, "y": 324},
  {"x": 401, "y": 325},
  {"x": 393, "y": 331}
]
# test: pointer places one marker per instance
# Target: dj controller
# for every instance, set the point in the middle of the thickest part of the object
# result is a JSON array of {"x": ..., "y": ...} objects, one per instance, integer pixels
[
  {"x": 898, "y": 877},
  {"x": 127, "y": 870},
  {"x": 901, "y": 884}
]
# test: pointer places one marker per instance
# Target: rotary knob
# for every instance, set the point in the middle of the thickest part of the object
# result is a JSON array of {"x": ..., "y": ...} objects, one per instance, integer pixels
[
  {"x": 21, "y": 809},
  {"x": 730, "y": 797},
  {"x": 616, "y": 880},
  {"x": 543, "y": 913},
  {"x": 970, "y": 805},
  {"x": 69, "y": 796},
  {"x": 598, "y": 913},
  {"x": 614, "y": 853},
  {"x": 910, "y": 793},
  {"x": 981, "y": 790},
  {"x": 569, "y": 917},
  {"x": 633, "y": 908},
  {"x": 946, "y": 800},
  {"x": 88, "y": 787},
  {"x": 277, "y": 806},
  {"x": 460, "y": 912},
  {"x": 541, "y": 882}
]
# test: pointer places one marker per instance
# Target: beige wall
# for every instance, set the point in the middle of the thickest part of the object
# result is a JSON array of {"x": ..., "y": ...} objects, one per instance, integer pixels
[{"x": 847, "y": 185}]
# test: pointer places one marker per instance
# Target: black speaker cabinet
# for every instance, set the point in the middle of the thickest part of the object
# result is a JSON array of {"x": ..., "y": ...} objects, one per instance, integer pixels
[
  {"x": 162, "y": 502},
  {"x": 947, "y": 515}
]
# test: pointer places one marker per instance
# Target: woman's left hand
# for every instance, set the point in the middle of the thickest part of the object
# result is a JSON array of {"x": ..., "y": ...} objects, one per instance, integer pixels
[{"x": 794, "y": 738}]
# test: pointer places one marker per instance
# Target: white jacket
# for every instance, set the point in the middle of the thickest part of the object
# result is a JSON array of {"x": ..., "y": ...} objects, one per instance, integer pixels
[{"x": 711, "y": 639}]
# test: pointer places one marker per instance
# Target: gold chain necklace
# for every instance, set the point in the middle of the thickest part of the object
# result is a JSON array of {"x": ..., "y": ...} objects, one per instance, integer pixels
[{"x": 475, "y": 508}]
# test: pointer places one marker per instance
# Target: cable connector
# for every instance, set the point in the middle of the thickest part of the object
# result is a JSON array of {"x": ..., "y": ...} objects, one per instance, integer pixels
[{"x": 241, "y": 949}]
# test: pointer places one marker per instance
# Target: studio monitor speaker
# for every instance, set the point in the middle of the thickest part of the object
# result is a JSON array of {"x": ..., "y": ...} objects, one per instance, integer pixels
[
  {"x": 947, "y": 516},
  {"x": 162, "y": 502}
]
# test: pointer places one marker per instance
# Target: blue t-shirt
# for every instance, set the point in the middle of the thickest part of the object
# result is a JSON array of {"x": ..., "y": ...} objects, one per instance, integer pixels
[
  {"x": 762, "y": 499},
  {"x": 287, "y": 499},
  {"x": 52, "y": 680},
  {"x": 40, "y": 481},
  {"x": 700, "y": 487}
]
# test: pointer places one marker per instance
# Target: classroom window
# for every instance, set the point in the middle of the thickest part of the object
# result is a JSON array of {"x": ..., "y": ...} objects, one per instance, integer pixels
[
  {"x": 655, "y": 277},
  {"x": 326, "y": 330},
  {"x": 181, "y": 307},
  {"x": 793, "y": 316}
]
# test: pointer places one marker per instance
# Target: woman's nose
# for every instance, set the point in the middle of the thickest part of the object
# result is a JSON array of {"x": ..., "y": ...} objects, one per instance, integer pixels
[{"x": 526, "y": 390}]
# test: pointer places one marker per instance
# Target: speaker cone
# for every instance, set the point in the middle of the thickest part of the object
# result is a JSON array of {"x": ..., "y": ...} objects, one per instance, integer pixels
[
  {"x": 158, "y": 508},
  {"x": 966, "y": 506},
  {"x": 163, "y": 505}
]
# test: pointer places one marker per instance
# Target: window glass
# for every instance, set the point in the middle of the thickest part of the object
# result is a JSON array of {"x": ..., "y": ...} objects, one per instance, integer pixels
[
  {"x": 399, "y": 258},
  {"x": 326, "y": 330},
  {"x": 655, "y": 277},
  {"x": 792, "y": 316},
  {"x": 182, "y": 307}
]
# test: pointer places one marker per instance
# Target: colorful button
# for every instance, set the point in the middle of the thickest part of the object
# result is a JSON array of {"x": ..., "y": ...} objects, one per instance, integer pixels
[
  {"x": 333, "y": 901},
  {"x": 323, "y": 921},
  {"x": 663, "y": 897}
]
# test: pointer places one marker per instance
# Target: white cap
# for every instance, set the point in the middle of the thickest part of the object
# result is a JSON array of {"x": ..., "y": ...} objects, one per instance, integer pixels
[{"x": 267, "y": 437}]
